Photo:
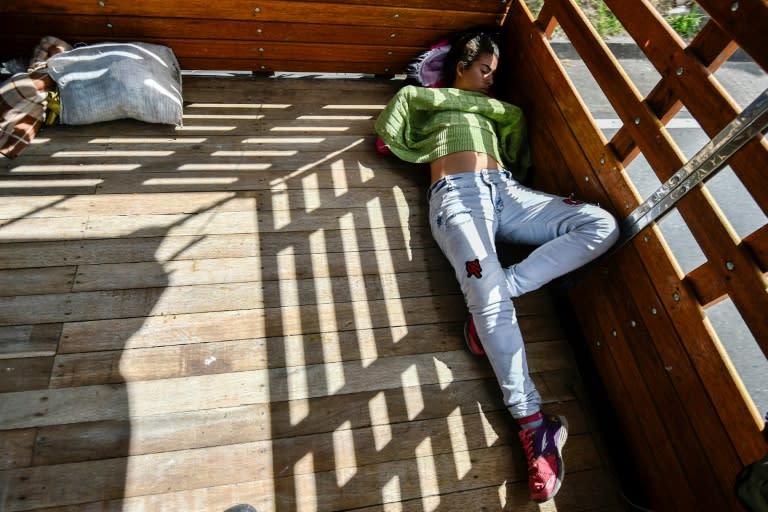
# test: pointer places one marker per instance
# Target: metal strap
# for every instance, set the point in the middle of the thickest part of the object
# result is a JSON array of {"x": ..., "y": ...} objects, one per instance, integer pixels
[{"x": 710, "y": 159}]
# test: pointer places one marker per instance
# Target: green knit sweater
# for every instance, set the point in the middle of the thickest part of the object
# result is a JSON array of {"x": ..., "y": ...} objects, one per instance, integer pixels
[{"x": 421, "y": 125}]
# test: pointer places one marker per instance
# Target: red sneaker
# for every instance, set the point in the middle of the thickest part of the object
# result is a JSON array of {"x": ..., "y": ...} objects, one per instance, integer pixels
[
  {"x": 544, "y": 450},
  {"x": 471, "y": 338}
]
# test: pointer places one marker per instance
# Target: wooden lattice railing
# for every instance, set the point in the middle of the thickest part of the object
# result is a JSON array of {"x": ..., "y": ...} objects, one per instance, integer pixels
[{"x": 686, "y": 415}]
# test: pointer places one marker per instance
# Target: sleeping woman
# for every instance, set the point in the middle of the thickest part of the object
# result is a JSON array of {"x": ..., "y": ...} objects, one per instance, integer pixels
[{"x": 477, "y": 153}]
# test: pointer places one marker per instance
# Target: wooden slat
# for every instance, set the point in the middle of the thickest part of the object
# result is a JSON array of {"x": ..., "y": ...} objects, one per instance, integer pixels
[
  {"x": 746, "y": 22},
  {"x": 75, "y": 27},
  {"x": 39, "y": 340},
  {"x": 24, "y": 374},
  {"x": 232, "y": 9}
]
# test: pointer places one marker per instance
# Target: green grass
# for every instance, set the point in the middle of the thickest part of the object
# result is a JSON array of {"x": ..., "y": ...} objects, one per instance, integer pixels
[
  {"x": 687, "y": 25},
  {"x": 607, "y": 25}
]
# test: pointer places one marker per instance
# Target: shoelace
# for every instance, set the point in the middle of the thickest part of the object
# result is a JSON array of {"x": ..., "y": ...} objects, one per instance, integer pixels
[
  {"x": 527, "y": 438},
  {"x": 536, "y": 478}
]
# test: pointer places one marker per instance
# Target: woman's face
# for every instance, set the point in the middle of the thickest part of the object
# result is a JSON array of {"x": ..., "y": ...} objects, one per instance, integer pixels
[{"x": 478, "y": 77}]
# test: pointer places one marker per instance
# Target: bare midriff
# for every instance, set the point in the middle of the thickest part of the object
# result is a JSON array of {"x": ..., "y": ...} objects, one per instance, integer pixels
[{"x": 463, "y": 161}]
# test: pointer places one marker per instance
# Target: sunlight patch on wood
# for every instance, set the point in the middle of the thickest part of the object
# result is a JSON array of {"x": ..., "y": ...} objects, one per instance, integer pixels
[
  {"x": 331, "y": 345},
  {"x": 110, "y": 154},
  {"x": 332, "y": 155},
  {"x": 335, "y": 118},
  {"x": 428, "y": 483},
  {"x": 459, "y": 445},
  {"x": 391, "y": 495},
  {"x": 311, "y": 186},
  {"x": 386, "y": 266},
  {"x": 276, "y": 106},
  {"x": 255, "y": 153},
  {"x": 224, "y": 116},
  {"x": 24, "y": 169},
  {"x": 295, "y": 358},
  {"x": 344, "y": 453},
  {"x": 237, "y": 166},
  {"x": 284, "y": 140},
  {"x": 354, "y": 107},
  {"x": 366, "y": 173},
  {"x": 488, "y": 431},
  {"x": 306, "y": 486},
  {"x": 49, "y": 184},
  {"x": 281, "y": 206},
  {"x": 339, "y": 178},
  {"x": 444, "y": 373},
  {"x": 309, "y": 128},
  {"x": 189, "y": 181},
  {"x": 412, "y": 395},
  {"x": 205, "y": 128},
  {"x": 380, "y": 426},
  {"x": 404, "y": 214},
  {"x": 361, "y": 310},
  {"x": 147, "y": 140}
]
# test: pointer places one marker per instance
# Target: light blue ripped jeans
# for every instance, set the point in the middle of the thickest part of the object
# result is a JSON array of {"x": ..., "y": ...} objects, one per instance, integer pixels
[{"x": 468, "y": 213}]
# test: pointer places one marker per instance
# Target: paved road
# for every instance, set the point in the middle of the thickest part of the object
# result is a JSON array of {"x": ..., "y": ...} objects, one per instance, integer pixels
[{"x": 744, "y": 81}]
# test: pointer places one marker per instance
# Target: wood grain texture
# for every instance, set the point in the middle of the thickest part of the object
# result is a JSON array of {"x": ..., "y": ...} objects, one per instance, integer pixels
[{"x": 256, "y": 314}]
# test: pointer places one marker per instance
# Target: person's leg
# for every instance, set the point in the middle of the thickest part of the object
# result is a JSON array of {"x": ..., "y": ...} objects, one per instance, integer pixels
[
  {"x": 568, "y": 233},
  {"x": 462, "y": 216}
]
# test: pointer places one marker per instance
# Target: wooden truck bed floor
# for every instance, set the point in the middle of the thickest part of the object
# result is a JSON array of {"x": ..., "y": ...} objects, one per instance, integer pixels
[{"x": 251, "y": 309}]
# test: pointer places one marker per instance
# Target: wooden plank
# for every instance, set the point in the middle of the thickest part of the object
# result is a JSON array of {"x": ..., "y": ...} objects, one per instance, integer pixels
[
  {"x": 244, "y": 355},
  {"x": 140, "y": 302},
  {"x": 36, "y": 281},
  {"x": 263, "y": 269},
  {"x": 190, "y": 247},
  {"x": 757, "y": 243},
  {"x": 294, "y": 320},
  {"x": 411, "y": 15},
  {"x": 73, "y": 28},
  {"x": 114, "y": 334},
  {"x": 597, "y": 170},
  {"x": 708, "y": 281},
  {"x": 658, "y": 490},
  {"x": 199, "y": 224},
  {"x": 377, "y": 410},
  {"x": 108, "y": 402},
  {"x": 16, "y": 448},
  {"x": 745, "y": 22},
  {"x": 224, "y": 160},
  {"x": 671, "y": 381},
  {"x": 25, "y": 374},
  {"x": 168, "y": 203},
  {"x": 22, "y": 341},
  {"x": 70, "y": 443},
  {"x": 183, "y": 9}
]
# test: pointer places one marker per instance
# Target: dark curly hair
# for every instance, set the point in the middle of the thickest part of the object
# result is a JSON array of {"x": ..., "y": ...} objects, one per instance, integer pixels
[{"x": 466, "y": 47}]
